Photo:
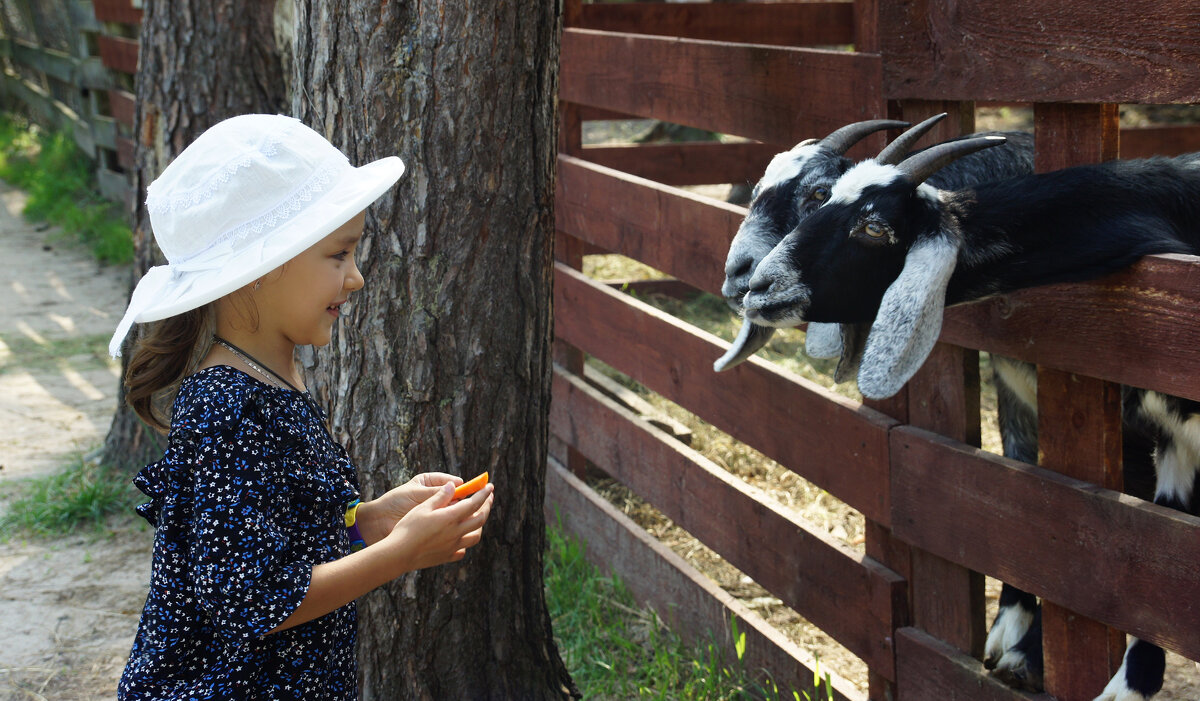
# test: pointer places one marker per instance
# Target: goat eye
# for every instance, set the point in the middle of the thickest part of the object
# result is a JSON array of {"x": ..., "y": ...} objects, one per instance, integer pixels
[
  {"x": 819, "y": 194},
  {"x": 874, "y": 230}
]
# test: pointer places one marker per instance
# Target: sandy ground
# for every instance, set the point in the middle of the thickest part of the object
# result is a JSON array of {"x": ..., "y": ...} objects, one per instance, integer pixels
[{"x": 68, "y": 607}]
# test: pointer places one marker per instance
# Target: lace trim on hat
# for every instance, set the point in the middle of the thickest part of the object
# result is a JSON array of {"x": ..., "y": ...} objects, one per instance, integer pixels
[
  {"x": 283, "y": 212},
  {"x": 268, "y": 148}
]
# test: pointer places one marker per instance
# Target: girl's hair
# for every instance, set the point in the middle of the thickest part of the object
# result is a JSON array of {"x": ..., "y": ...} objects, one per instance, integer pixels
[{"x": 162, "y": 356}]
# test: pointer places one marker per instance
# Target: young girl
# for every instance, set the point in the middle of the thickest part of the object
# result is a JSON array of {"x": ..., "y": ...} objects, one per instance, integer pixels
[{"x": 261, "y": 542}]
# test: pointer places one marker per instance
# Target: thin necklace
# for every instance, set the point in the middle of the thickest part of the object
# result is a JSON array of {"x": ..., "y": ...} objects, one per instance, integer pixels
[{"x": 260, "y": 367}]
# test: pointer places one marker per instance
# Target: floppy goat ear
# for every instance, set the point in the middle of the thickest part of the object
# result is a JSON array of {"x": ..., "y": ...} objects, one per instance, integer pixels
[
  {"x": 823, "y": 340},
  {"x": 909, "y": 320}
]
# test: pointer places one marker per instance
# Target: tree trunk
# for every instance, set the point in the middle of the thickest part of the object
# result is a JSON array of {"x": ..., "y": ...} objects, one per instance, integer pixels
[
  {"x": 443, "y": 361},
  {"x": 201, "y": 61}
]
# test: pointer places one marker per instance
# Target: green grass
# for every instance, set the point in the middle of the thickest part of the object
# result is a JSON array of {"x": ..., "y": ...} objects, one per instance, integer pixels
[
  {"x": 80, "y": 497},
  {"x": 614, "y": 650},
  {"x": 59, "y": 180}
]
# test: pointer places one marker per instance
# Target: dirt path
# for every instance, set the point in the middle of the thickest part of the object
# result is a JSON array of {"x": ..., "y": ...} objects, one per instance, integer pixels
[{"x": 68, "y": 607}]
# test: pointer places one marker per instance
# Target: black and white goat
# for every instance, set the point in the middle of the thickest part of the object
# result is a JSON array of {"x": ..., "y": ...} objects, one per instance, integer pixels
[
  {"x": 795, "y": 184},
  {"x": 798, "y": 181},
  {"x": 890, "y": 250}
]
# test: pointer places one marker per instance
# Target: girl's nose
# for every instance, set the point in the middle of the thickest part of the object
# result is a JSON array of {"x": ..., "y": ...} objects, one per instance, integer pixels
[{"x": 354, "y": 278}]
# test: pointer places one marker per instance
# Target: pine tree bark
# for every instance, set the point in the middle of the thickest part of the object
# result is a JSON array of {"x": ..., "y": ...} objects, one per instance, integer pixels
[
  {"x": 201, "y": 61},
  {"x": 443, "y": 361}
]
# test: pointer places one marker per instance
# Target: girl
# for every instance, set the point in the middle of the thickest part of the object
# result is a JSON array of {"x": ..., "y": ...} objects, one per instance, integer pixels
[{"x": 261, "y": 542}]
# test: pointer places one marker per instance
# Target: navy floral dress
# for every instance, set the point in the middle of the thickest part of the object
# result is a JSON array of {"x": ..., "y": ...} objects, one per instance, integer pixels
[{"x": 250, "y": 494}]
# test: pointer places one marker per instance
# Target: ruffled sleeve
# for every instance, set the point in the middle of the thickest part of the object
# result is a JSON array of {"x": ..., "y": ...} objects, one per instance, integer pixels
[{"x": 240, "y": 545}]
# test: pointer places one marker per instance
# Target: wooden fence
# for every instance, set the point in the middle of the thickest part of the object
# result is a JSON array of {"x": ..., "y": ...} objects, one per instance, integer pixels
[
  {"x": 71, "y": 63},
  {"x": 940, "y": 512}
]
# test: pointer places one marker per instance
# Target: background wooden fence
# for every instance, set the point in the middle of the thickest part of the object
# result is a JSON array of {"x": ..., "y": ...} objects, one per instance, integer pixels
[
  {"x": 940, "y": 512},
  {"x": 71, "y": 63}
]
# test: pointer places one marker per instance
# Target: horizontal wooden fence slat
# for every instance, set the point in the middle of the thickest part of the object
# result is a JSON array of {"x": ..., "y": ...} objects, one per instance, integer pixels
[
  {"x": 770, "y": 94},
  {"x": 784, "y": 416},
  {"x": 784, "y": 24},
  {"x": 700, "y": 163},
  {"x": 118, "y": 53},
  {"x": 123, "y": 106},
  {"x": 56, "y": 64},
  {"x": 675, "y": 231},
  {"x": 1108, "y": 556},
  {"x": 683, "y": 597},
  {"x": 1137, "y": 327},
  {"x": 931, "y": 669},
  {"x": 1036, "y": 51},
  {"x": 1143, "y": 142},
  {"x": 121, "y": 11},
  {"x": 849, "y": 596}
]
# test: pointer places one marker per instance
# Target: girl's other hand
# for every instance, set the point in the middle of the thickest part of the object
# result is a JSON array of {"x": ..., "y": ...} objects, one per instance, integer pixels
[
  {"x": 379, "y": 516},
  {"x": 437, "y": 531}
]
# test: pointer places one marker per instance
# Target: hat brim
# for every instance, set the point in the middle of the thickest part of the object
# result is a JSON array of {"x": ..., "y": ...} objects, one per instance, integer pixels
[{"x": 351, "y": 195}]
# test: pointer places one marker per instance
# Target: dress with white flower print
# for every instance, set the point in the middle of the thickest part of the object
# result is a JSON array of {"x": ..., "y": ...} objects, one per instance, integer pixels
[{"x": 248, "y": 497}]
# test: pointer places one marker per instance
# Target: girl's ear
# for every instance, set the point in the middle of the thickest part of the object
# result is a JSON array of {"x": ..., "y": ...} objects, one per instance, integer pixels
[{"x": 909, "y": 320}]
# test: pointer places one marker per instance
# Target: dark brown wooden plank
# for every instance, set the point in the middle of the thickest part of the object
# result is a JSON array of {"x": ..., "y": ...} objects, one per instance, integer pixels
[
  {"x": 783, "y": 24},
  {"x": 1079, "y": 422},
  {"x": 125, "y": 154},
  {"x": 1079, "y": 431},
  {"x": 1137, "y": 327},
  {"x": 680, "y": 233},
  {"x": 930, "y": 669},
  {"x": 118, "y": 53},
  {"x": 770, "y": 94},
  {"x": 947, "y": 598},
  {"x": 784, "y": 416},
  {"x": 1033, "y": 51},
  {"x": 123, "y": 107},
  {"x": 1071, "y": 135},
  {"x": 688, "y": 164},
  {"x": 121, "y": 11},
  {"x": 1144, "y": 142},
  {"x": 684, "y": 598},
  {"x": 847, "y": 595},
  {"x": 1103, "y": 554}
]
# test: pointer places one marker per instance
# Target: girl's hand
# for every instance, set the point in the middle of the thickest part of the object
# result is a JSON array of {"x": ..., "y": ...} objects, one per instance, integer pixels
[
  {"x": 379, "y": 516},
  {"x": 437, "y": 531}
]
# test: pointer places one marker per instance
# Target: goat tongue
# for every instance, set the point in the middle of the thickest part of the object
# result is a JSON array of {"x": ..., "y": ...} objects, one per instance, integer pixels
[{"x": 749, "y": 340}]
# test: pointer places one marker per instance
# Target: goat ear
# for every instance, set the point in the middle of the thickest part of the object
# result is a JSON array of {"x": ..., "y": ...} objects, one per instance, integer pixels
[
  {"x": 909, "y": 320},
  {"x": 749, "y": 339},
  {"x": 823, "y": 340},
  {"x": 854, "y": 337}
]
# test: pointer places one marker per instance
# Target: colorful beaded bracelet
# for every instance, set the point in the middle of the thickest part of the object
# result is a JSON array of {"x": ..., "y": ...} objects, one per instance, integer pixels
[{"x": 356, "y": 540}]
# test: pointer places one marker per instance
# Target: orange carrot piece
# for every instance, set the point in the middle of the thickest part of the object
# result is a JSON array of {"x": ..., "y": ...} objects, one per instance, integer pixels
[{"x": 466, "y": 489}]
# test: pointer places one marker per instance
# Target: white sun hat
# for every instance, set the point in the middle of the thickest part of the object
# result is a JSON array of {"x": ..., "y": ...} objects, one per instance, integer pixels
[{"x": 246, "y": 196}]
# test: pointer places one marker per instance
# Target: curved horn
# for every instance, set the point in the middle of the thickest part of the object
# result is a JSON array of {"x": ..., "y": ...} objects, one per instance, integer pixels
[
  {"x": 898, "y": 149},
  {"x": 921, "y": 165},
  {"x": 841, "y": 140}
]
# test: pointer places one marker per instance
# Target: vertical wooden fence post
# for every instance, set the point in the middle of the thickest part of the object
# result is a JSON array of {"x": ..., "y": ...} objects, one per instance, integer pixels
[
  {"x": 569, "y": 250},
  {"x": 1079, "y": 423}
]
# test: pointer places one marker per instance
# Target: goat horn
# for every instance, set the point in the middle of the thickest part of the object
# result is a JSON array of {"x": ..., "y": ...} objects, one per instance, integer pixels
[
  {"x": 921, "y": 165},
  {"x": 898, "y": 149},
  {"x": 841, "y": 140}
]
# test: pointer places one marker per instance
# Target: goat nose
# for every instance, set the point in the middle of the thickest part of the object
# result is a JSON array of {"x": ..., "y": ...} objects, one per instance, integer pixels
[
  {"x": 739, "y": 267},
  {"x": 760, "y": 284}
]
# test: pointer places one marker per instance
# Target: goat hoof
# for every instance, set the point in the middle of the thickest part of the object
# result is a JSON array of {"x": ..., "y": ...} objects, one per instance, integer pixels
[{"x": 1015, "y": 671}]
